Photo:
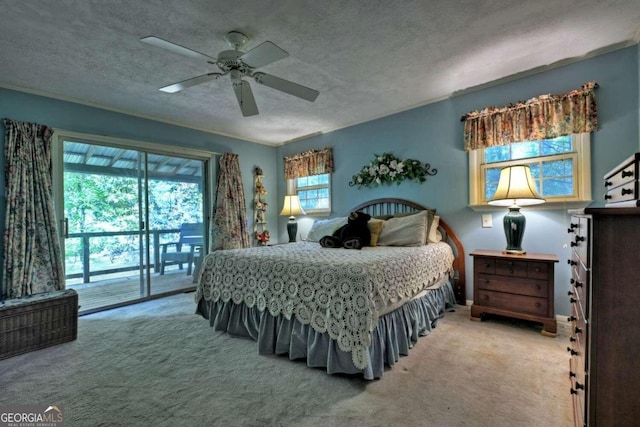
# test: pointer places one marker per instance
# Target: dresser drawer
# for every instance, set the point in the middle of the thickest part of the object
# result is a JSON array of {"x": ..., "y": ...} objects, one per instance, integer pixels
[
  {"x": 579, "y": 230},
  {"x": 577, "y": 376},
  {"x": 511, "y": 268},
  {"x": 485, "y": 265},
  {"x": 579, "y": 282},
  {"x": 628, "y": 191},
  {"x": 623, "y": 173},
  {"x": 520, "y": 286},
  {"x": 578, "y": 329},
  {"x": 525, "y": 304}
]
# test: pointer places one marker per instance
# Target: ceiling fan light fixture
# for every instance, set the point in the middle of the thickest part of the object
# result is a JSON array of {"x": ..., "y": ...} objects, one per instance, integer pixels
[{"x": 236, "y": 39}]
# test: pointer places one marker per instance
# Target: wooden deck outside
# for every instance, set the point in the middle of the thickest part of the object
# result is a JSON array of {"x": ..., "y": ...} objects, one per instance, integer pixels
[{"x": 122, "y": 290}]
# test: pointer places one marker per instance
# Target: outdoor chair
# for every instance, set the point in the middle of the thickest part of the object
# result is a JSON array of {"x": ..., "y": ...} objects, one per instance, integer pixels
[{"x": 191, "y": 236}]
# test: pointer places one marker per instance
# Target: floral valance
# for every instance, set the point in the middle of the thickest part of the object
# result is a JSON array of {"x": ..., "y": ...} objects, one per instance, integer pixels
[
  {"x": 312, "y": 162},
  {"x": 547, "y": 116}
]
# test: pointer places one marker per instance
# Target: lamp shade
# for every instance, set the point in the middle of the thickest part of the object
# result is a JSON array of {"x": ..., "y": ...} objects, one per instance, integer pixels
[
  {"x": 291, "y": 206},
  {"x": 516, "y": 188}
]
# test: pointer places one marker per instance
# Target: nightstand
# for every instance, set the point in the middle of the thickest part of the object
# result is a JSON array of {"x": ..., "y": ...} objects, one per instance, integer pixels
[{"x": 519, "y": 286}]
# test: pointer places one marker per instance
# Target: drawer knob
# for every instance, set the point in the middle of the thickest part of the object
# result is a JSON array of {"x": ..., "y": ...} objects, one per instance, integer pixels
[
  {"x": 572, "y": 262},
  {"x": 570, "y": 293},
  {"x": 573, "y": 300},
  {"x": 577, "y": 330},
  {"x": 573, "y": 339},
  {"x": 608, "y": 183},
  {"x": 572, "y": 351},
  {"x": 572, "y": 374},
  {"x": 608, "y": 196},
  {"x": 571, "y": 318},
  {"x": 579, "y": 386},
  {"x": 626, "y": 191},
  {"x": 627, "y": 173},
  {"x": 573, "y": 244},
  {"x": 537, "y": 305},
  {"x": 574, "y": 391},
  {"x": 487, "y": 265},
  {"x": 578, "y": 284},
  {"x": 579, "y": 239},
  {"x": 573, "y": 225}
]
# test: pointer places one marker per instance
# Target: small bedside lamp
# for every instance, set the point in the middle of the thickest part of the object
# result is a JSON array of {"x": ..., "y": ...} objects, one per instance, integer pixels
[
  {"x": 515, "y": 188},
  {"x": 292, "y": 208}
]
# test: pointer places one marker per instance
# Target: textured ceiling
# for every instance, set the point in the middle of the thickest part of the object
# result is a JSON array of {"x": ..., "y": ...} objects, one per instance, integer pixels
[{"x": 367, "y": 59}]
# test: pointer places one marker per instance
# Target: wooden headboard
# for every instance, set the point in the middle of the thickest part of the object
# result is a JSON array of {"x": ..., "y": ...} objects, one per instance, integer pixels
[{"x": 391, "y": 206}]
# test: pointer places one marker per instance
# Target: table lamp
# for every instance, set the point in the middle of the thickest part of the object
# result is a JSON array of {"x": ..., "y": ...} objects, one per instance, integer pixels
[
  {"x": 292, "y": 208},
  {"x": 515, "y": 188}
]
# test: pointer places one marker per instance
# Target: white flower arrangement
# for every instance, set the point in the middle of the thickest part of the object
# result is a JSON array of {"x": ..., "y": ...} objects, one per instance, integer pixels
[{"x": 388, "y": 169}]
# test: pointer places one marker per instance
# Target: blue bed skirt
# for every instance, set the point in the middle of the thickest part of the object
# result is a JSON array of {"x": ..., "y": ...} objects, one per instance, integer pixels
[{"x": 395, "y": 335}]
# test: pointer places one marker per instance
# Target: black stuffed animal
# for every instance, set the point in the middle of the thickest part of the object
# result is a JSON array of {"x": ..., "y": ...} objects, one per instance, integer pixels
[{"x": 353, "y": 235}]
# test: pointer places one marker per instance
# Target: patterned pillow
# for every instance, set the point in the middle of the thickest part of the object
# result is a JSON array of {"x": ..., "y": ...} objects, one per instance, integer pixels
[{"x": 324, "y": 227}]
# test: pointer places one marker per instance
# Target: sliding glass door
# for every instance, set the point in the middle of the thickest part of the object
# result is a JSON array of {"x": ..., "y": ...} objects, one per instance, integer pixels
[{"x": 127, "y": 213}]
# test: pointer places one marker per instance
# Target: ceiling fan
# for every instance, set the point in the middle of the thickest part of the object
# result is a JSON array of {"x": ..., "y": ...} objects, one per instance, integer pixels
[{"x": 237, "y": 64}]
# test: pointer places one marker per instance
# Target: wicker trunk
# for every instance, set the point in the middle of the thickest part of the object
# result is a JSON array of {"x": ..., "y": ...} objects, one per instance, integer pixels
[{"x": 37, "y": 321}]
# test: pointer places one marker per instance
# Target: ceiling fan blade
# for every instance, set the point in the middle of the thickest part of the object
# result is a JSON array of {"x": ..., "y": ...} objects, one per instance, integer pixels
[
  {"x": 286, "y": 86},
  {"x": 264, "y": 54},
  {"x": 177, "y": 87},
  {"x": 176, "y": 48},
  {"x": 245, "y": 98}
]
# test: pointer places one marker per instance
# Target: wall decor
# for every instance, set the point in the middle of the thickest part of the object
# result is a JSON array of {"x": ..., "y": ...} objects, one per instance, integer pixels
[
  {"x": 260, "y": 232},
  {"x": 388, "y": 169}
]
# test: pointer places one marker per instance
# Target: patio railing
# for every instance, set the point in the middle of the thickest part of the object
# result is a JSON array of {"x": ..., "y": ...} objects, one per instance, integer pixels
[{"x": 86, "y": 255}]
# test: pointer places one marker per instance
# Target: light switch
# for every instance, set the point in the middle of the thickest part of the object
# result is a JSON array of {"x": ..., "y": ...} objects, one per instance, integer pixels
[{"x": 487, "y": 221}]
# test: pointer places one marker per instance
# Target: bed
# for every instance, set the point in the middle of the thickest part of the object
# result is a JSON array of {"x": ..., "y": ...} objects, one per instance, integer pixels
[{"x": 347, "y": 311}]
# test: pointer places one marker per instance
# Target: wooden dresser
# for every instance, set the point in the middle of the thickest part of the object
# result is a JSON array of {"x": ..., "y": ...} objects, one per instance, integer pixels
[
  {"x": 605, "y": 316},
  {"x": 518, "y": 286}
]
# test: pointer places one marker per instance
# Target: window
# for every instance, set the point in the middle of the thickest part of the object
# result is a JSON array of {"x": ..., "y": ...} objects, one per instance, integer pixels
[
  {"x": 561, "y": 168},
  {"x": 314, "y": 192}
]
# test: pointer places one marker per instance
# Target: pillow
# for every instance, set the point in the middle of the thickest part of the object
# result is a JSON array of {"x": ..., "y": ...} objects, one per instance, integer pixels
[
  {"x": 431, "y": 213},
  {"x": 375, "y": 227},
  {"x": 434, "y": 235},
  {"x": 410, "y": 230},
  {"x": 324, "y": 227}
]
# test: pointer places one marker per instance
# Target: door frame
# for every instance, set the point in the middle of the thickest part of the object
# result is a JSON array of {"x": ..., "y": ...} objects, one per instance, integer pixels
[{"x": 209, "y": 172}]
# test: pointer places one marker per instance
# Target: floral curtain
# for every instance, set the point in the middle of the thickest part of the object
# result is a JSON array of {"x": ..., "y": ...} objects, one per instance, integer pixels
[
  {"x": 312, "y": 162},
  {"x": 32, "y": 256},
  {"x": 229, "y": 221},
  {"x": 547, "y": 116}
]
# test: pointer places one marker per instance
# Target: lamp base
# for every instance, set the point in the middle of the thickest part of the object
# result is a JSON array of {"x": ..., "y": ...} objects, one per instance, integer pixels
[
  {"x": 292, "y": 229},
  {"x": 513, "y": 252},
  {"x": 514, "y": 224}
]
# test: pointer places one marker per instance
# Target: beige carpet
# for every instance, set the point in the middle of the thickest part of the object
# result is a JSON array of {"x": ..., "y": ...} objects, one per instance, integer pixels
[{"x": 158, "y": 364}]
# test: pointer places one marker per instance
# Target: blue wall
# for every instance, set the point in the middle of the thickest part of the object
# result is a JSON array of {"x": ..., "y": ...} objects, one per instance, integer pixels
[{"x": 433, "y": 134}]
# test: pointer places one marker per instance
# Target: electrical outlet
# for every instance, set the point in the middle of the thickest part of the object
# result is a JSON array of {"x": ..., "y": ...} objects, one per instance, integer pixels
[{"x": 487, "y": 221}]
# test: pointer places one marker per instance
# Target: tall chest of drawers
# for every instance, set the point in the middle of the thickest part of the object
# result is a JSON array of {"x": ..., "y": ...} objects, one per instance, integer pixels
[{"x": 604, "y": 367}]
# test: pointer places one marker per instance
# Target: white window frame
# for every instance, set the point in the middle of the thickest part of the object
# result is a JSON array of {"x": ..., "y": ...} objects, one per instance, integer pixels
[
  {"x": 292, "y": 187},
  {"x": 582, "y": 177}
]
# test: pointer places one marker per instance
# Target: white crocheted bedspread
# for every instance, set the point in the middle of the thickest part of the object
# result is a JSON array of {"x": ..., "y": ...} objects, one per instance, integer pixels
[{"x": 338, "y": 291}]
